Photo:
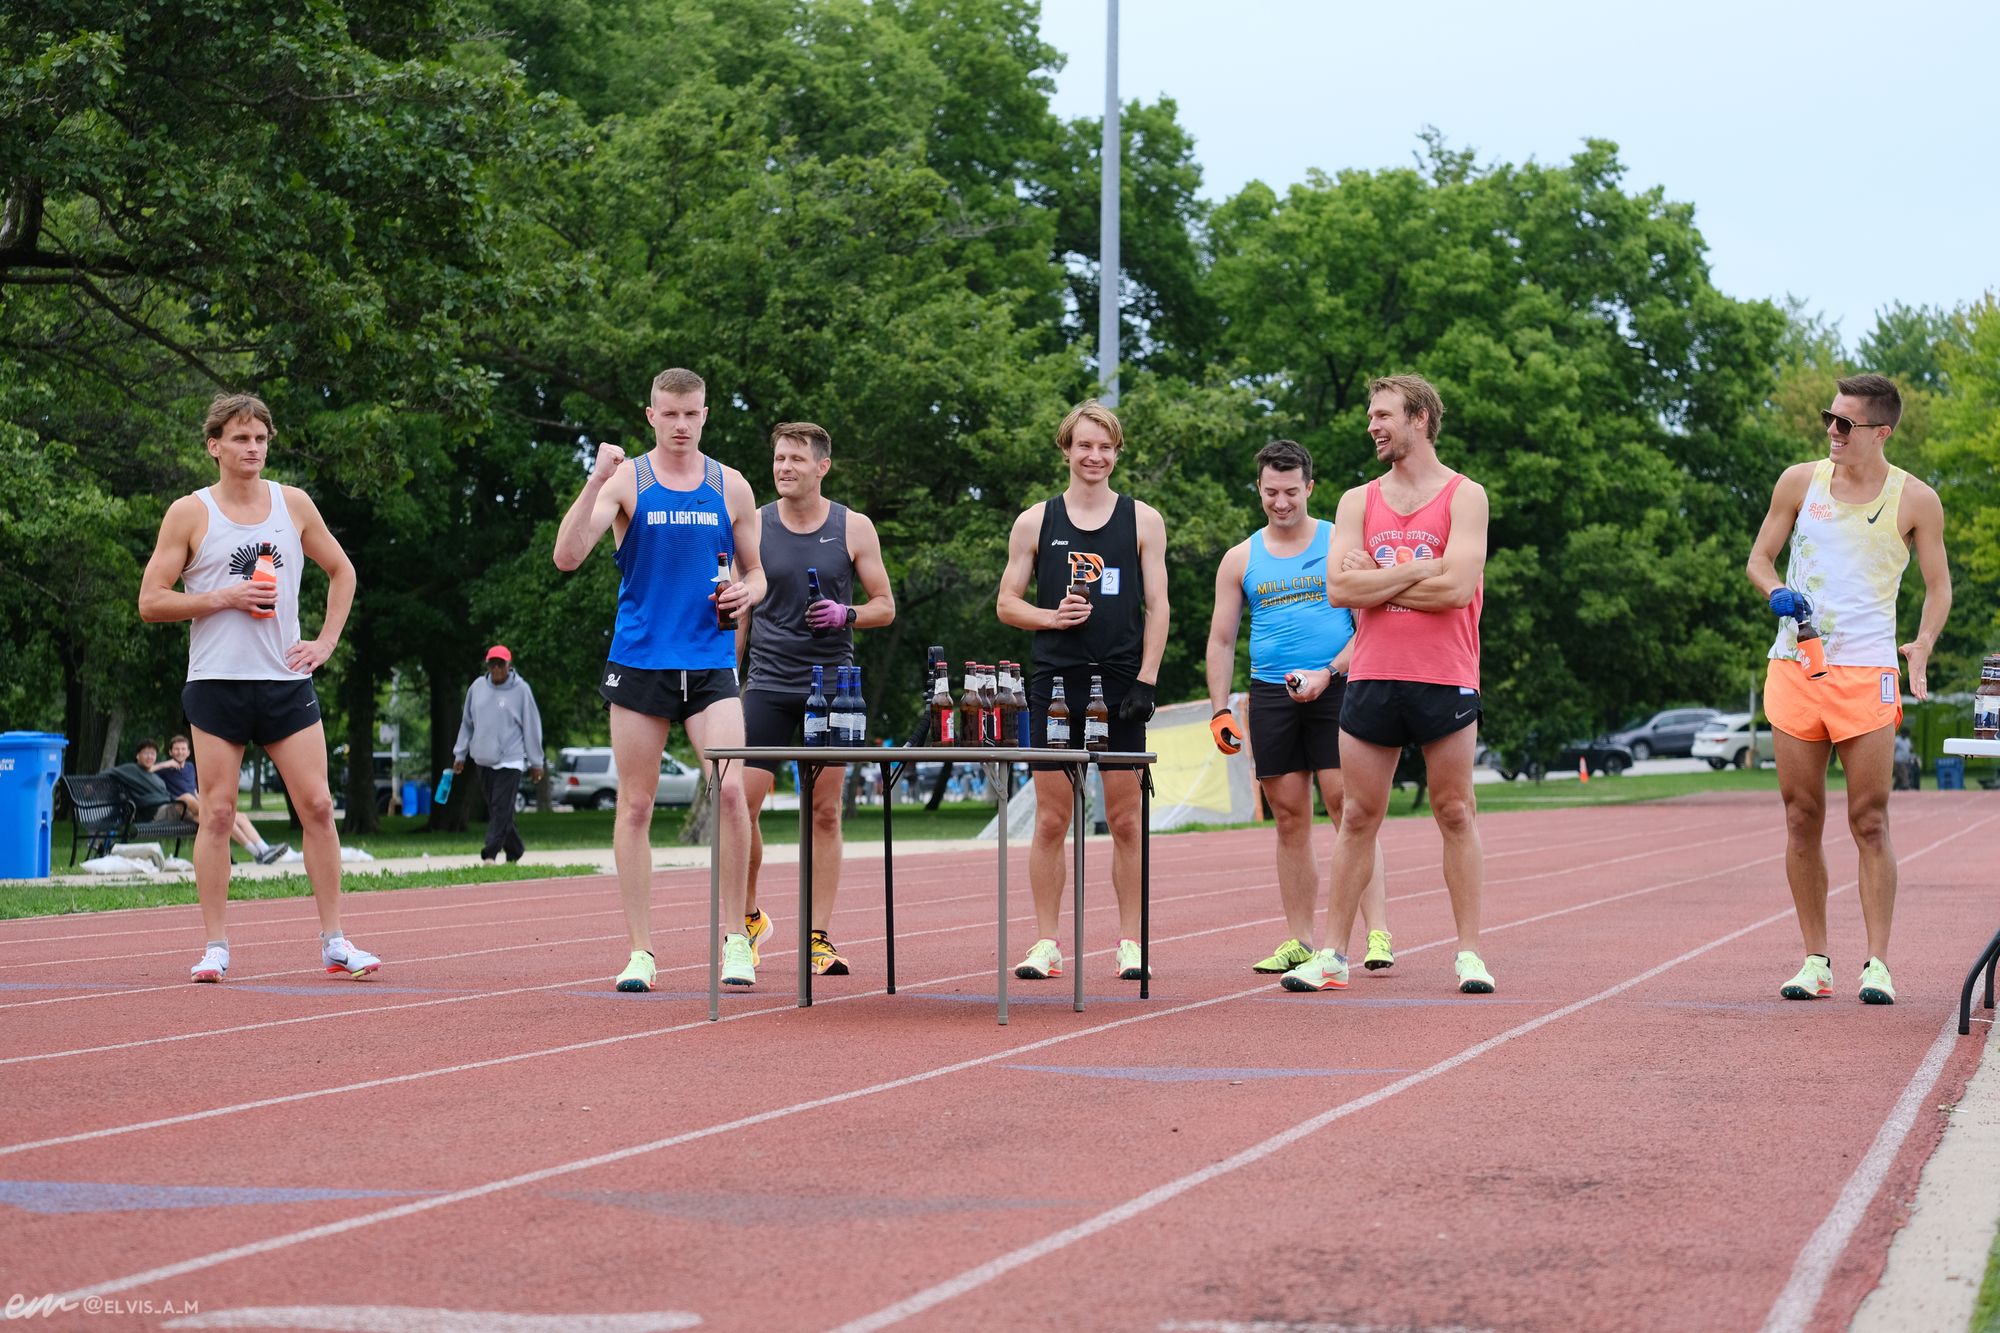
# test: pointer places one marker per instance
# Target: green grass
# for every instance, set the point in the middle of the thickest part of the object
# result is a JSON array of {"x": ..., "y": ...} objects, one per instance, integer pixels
[
  {"x": 81, "y": 894},
  {"x": 1986, "y": 1313}
]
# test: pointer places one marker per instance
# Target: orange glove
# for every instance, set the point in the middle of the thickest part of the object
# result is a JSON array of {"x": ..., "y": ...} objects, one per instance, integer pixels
[{"x": 1227, "y": 732}]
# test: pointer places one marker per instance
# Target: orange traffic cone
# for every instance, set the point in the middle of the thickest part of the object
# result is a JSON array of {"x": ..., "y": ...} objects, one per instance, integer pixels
[{"x": 1583, "y": 768}]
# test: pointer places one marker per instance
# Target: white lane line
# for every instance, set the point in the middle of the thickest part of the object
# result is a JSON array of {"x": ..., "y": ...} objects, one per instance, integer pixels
[
  {"x": 324, "y": 1231},
  {"x": 1793, "y": 1310},
  {"x": 979, "y": 1276}
]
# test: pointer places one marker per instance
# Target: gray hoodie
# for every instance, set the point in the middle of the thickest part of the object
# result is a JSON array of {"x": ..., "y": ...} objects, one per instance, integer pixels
[{"x": 501, "y": 728}]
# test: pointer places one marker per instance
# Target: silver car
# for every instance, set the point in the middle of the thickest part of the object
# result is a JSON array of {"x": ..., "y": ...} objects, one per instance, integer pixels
[{"x": 588, "y": 779}]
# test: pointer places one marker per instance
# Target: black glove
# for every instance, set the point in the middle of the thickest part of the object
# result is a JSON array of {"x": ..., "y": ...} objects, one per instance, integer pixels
[{"x": 1137, "y": 705}]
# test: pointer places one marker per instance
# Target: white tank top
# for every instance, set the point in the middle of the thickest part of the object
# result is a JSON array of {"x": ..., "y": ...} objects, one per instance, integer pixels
[
  {"x": 1848, "y": 559},
  {"x": 232, "y": 644}
]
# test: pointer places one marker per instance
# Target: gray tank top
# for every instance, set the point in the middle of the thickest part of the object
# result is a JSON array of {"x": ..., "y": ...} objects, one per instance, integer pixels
[
  {"x": 783, "y": 651},
  {"x": 235, "y": 645}
]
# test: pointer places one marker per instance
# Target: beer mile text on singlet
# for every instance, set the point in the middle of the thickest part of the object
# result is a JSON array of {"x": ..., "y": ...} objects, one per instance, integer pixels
[
  {"x": 666, "y": 571},
  {"x": 1396, "y": 642},
  {"x": 1848, "y": 560},
  {"x": 233, "y": 644},
  {"x": 1292, "y": 625},
  {"x": 783, "y": 651},
  {"x": 1107, "y": 559}
]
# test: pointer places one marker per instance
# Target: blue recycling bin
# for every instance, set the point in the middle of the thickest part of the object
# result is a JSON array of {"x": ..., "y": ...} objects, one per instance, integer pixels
[
  {"x": 30, "y": 763},
  {"x": 1951, "y": 772},
  {"x": 416, "y": 798}
]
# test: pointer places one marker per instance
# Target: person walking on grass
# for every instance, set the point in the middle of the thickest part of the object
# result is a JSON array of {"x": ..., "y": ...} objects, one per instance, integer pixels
[
  {"x": 501, "y": 732},
  {"x": 237, "y": 549},
  {"x": 1300, "y": 648},
  {"x": 1851, "y": 520}
]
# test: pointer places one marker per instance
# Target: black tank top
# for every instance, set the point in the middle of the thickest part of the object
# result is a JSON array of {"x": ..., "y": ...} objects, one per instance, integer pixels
[
  {"x": 1106, "y": 558},
  {"x": 783, "y": 651}
]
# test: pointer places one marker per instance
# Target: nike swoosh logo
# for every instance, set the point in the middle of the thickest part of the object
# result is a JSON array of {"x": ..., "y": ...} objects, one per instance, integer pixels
[
  {"x": 1460, "y": 717},
  {"x": 824, "y": 540},
  {"x": 1314, "y": 563},
  {"x": 1878, "y": 513}
]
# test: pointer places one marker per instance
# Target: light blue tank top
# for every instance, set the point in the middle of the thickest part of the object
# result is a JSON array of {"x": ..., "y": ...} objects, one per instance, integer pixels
[
  {"x": 666, "y": 568},
  {"x": 1292, "y": 626}
]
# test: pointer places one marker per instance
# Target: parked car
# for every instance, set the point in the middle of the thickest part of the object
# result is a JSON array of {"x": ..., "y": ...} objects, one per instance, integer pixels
[
  {"x": 1664, "y": 734},
  {"x": 588, "y": 777},
  {"x": 1605, "y": 757},
  {"x": 384, "y": 765},
  {"x": 1725, "y": 742}
]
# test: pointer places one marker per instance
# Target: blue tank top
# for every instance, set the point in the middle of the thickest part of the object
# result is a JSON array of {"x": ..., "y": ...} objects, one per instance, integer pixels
[
  {"x": 666, "y": 570},
  {"x": 1292, "y": 626}
]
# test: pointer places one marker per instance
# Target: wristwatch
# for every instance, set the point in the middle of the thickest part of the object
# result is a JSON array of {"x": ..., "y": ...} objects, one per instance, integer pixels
[{"x": 852, "y": 616}]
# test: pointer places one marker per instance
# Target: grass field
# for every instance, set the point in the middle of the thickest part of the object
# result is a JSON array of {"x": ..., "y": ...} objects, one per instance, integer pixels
[{"x": 80, "y": 893}]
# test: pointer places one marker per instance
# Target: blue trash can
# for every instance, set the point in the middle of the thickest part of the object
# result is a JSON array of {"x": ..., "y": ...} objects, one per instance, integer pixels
[
  {"x": 1951, "y": 772},
  {"x": 410, "y": 790},
  {"x": 30, "y": 763}
]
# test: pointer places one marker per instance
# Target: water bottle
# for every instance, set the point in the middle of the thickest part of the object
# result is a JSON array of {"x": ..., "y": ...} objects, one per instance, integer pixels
[{"x": 816, "y": 709}]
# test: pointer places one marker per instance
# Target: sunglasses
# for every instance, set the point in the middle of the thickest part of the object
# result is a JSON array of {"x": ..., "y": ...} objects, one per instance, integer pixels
[{"x": 1841, "y": 425}]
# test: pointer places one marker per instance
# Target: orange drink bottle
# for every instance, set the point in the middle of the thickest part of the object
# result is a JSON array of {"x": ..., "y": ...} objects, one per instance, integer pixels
[{"x": 265, "y": 572}]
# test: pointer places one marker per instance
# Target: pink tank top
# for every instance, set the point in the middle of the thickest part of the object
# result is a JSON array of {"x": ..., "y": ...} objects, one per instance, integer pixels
[{"x": 1394, "y": 642}]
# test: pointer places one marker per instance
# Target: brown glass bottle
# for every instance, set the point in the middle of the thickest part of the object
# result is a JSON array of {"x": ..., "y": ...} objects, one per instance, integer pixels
[
  {"x": 1986, "y": 701},
  {"x": 944, "y": 716},
  {"x": 1096, "y": 718},
  {"x": 723, "y": 620},
  {"x": 1058, "y": 718},
  {"x": 968, "y": 707}
]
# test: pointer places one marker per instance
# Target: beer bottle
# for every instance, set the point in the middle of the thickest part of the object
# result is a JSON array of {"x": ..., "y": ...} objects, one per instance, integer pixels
[
  {"x": 813, "y": 597},
  {"x": 989, "y": 712},
  {"x": 723, "y": 620},
  {"x": 1096, "y": 718},
  {"x": 266, "y": 571},
  {"x": 857, "y": 710},
  {"x": 1017, "y": 704},
  {"x": 968, "y": 708},
  {"x": 1986, "y": 702},
  {"x": 944, "y": 717},
  {"x": 817, "y": 709},
  {"x": 1058, "y": 718}
]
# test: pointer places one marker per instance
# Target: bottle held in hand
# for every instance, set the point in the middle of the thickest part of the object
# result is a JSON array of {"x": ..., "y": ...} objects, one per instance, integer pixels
[
  {"x": 813, "y": 598},
  {"x": 723, "y": 620},
  {"x": 1812, "y": 648},
  {"x": 266, "y": 572}
]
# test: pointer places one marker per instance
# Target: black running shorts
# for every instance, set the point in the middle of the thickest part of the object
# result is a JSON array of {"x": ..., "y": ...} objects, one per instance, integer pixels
[
  {"x": 1395, "y": 713},
  {"x": 251, "y": 712},
  {"x": 771, "y": 718},
  {"x": 669, "y": 693},
  {"x": 1287, "y": 736}
]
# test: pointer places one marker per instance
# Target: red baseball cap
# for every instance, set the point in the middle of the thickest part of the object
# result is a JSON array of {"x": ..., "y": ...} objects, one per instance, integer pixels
[{"x": 499, "y": 650}]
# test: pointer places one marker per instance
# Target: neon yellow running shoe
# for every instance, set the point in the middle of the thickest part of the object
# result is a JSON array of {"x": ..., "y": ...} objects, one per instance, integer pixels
[
  {"x": 827, "y": 961},
  {"x": 1473, "y": 978},
  {"x": 755, "y": 927},
  {"x": 1814, "y": 980},
  {"x": 1379, "y": 953},
  {"x": 737, "y": 967},
  {"x": 638, "y": 974},
  {"x": 1290, "y": 954},
  {"x": 1325, "y": 970},
  {"x": 1128, "y": 962},
  {"x": 1876, "y": 988}
]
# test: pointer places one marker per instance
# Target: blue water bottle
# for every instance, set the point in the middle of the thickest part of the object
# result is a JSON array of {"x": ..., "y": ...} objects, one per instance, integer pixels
[
  {"x": 443, "y": 789},
  {"x": 816, "y": 709}
]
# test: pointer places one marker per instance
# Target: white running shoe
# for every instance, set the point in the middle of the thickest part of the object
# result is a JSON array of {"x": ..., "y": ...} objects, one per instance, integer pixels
[
  {"x": 214, "y": 964},
  {"x": 737, "y": 969},
  {"x": 1128, "y": 961},
  {"x": 1043, "y": 961},
  {"x": 1325, "y": 970},
  {"x": 341, "y": 956}
]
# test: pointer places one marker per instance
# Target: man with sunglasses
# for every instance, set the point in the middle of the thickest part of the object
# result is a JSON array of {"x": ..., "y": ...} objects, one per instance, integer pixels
[{"x": 1852, "y": 519}]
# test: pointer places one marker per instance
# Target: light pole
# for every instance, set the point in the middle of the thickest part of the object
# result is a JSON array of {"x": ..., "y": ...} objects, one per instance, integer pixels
[{"x": 1107, "y": 248}]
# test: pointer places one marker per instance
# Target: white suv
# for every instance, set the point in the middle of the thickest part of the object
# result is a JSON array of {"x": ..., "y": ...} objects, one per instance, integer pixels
[{"x": 589, "y": 777}]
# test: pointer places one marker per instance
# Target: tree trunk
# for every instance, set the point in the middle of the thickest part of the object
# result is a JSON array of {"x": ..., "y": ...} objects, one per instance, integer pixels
[
  {"x": 114, "y": 726},
  {"x": 700, "y": 815},
  {"x": 358, "y": 695},
  {"x": 447, "y": 706}
]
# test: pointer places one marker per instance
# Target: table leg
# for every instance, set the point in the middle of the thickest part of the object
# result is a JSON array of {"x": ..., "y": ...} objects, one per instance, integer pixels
[
  {"x": 1003, "y": 905},
  {"x": 808, "y": 784},
  {"x": 889, "y": 876},
  {"x": 1077, "y": 832},
  {"x": 714, "y": 892},
  {"x": 1989, "y": 958},
  {"x": 1145, "y": 883}
]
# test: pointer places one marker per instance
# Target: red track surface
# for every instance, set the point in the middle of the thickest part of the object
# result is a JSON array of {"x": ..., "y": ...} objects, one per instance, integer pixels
[{"x": 1635, "y": 1132}]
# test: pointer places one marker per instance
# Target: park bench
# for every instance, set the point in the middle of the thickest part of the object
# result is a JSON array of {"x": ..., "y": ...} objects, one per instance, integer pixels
[{"x": 102, "y": 814}]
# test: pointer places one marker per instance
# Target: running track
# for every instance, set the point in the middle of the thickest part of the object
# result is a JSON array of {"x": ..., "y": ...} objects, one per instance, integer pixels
[{"x": 1633, "y": 1133}]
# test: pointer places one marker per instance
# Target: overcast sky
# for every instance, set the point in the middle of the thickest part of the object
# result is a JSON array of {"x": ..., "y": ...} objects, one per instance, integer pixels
[{"x": 1846, "y": 154}]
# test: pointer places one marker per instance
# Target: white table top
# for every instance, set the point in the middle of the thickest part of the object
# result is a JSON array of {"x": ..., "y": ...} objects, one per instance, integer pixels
[{"x": 1975, "y": 749}]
